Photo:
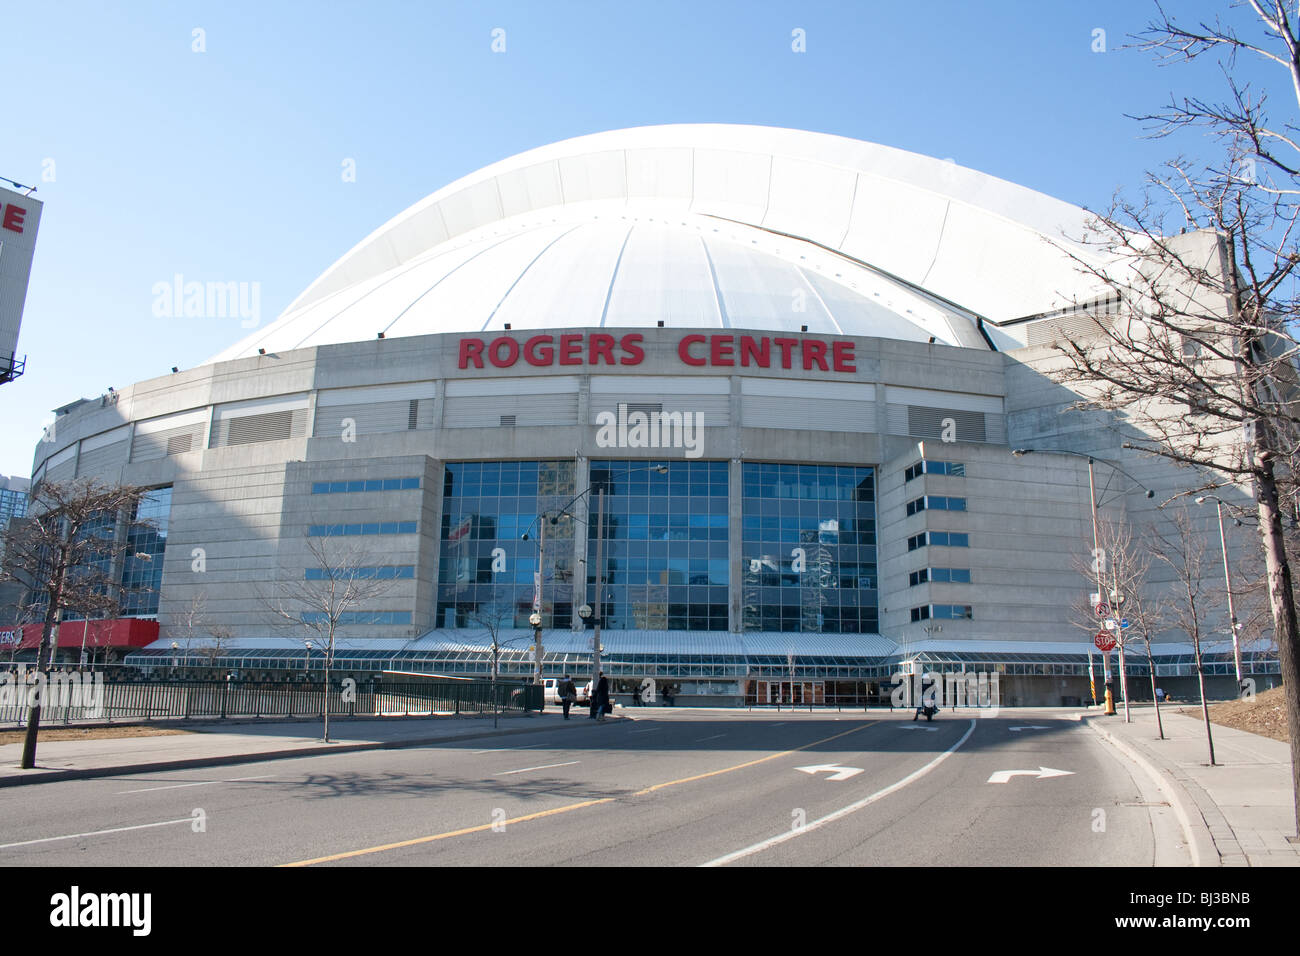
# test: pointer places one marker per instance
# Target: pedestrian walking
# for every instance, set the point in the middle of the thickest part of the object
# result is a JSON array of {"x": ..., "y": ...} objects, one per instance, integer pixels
[
  {"x": 568, "y": 694},
  {"x": 600, "y": 697}
]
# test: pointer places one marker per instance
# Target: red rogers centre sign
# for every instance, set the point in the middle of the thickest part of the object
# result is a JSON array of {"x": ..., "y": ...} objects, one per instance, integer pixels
[{"x": 714, "y": 350}]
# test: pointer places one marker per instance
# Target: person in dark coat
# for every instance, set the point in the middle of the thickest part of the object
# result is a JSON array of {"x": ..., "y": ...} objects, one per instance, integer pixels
[
  {"x": 600, "y": 697},
  {"x": 568, "y": 694}
]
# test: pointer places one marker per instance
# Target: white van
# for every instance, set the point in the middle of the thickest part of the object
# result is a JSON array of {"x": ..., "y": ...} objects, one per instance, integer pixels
[{"x": 551, "y": 692}]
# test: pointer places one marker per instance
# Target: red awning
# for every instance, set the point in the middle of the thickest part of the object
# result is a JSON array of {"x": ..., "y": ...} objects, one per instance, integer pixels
[{"x": 121, "y": 632}]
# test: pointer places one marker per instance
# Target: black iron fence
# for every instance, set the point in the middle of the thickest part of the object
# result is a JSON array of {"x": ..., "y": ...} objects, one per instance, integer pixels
[{"x": 80, "y": 699}]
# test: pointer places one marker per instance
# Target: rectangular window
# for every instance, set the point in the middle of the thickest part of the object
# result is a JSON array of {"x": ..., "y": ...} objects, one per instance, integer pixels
[
  {"x": 921, "y": 613},
  {"x": 336, "y": 530},
  {"x": 915, "y": 506},
  {"x": 950, "y": 575},
  {"x": 388, "y": 573},
  {"x": 934, "y": 468},
  {"x": 918, "y": 577},
  {"x": 371, "y": 484},
  {"x": 951, "y": 612},
  {"x": 916, "y": 541},
  {"x": 950, "y": 539},
  {"x": 360, "y": 617},
  {"x": 941, "y": 503}
]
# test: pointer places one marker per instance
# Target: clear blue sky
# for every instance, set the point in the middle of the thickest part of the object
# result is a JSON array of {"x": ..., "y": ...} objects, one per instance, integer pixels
[{"x": 226, "y": 165}]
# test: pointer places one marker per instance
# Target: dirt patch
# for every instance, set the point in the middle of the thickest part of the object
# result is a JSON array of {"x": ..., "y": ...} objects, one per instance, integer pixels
[
  {"x": 1265, "y": 715},
  {"x": 89, "y": 733}
]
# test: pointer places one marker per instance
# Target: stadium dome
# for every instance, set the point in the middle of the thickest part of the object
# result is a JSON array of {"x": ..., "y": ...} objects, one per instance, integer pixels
[
  {"x": 702, "y": 226},
  {"x": 759, "y": 388}
]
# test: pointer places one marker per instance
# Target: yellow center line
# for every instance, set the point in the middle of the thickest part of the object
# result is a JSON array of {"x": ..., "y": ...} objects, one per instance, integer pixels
[
  {"x": 451, "y": 833},
  {"x": 571, "y": 806}
]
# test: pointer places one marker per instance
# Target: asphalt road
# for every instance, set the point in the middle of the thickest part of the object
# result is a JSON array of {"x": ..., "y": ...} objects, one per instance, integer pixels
[{"x": 666, "y": 788}]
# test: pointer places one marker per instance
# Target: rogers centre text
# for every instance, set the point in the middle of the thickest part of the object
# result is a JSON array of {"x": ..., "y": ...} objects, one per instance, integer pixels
[{"x": 717, "y": 350}]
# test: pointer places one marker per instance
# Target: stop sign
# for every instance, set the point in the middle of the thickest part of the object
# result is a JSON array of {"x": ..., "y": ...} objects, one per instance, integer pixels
[{"x": 1103, "y": 641}]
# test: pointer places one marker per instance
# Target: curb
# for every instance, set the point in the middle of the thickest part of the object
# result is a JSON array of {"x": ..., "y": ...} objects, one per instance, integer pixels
[
  {"x": 36, "y": 775},
  {"x": 1200, "y": 841}
]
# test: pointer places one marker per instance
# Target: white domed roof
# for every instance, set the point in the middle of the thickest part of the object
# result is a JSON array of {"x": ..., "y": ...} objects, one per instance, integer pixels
[{"x": 701, "y": 227}]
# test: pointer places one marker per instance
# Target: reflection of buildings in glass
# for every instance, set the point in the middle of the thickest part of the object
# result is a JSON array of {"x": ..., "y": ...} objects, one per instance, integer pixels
[
  {"x": 649, "y": 604},
  {"x": 817, "y": 576},
  {"x": 665, "y": 545},
  {"x": 829, "y": 513},
  {"x": 487, "y": 509}
]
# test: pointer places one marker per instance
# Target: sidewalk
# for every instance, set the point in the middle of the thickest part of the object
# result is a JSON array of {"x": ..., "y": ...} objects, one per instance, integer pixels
[
  {"x": 1244, "y": 802},
  {"x": 213, "y": 744}
]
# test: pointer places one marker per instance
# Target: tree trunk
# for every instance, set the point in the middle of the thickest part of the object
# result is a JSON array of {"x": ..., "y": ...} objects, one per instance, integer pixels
[
  {"x": 1205, "y": 708},
  {"x": 34, "y": 712},
  {"x": 1282, "y": 599},
  {"x": 1152, "y": 665}
]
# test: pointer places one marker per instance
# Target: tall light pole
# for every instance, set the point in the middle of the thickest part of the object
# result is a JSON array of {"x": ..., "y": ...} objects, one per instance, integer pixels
[
  {"x": 536, "y": 619},
  {"x": 1098, "y": 564},
  {"x": 1227, "y": 578},
  {"x": 600, "y": 588}
]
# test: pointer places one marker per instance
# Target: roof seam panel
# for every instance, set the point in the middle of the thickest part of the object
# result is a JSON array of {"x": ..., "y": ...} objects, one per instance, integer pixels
[
  {"x": 520, "y": 278},
  {"x": 613, "y": 276},
  {"x": 724, "y": 320}
]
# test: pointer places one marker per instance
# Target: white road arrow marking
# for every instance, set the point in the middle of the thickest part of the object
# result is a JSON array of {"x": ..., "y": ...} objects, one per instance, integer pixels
[
  {"x": 836, "y": 772},
  {"x": 932, "y": 730},
  {"x": 1029, "y": 727},
  {"x": 1004, "y": 776}
]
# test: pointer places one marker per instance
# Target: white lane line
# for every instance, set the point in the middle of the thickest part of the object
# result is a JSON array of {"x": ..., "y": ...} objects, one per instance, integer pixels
[
  {"x": 74, "y": 836},
  {"x": 781, "y": 724},
  {"x": 504, "y": 750},
  {"x": 714, "y": 737},
  {"x": 843, "y": 811},
  {"x": 648, "y": 730},
  {"x": 200, "y": 783},
  {"x": 548, "y": 766},
  {"x": 175, "y": 786}
]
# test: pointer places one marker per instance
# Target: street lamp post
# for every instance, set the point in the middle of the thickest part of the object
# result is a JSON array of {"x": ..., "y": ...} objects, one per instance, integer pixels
[
  {"x": 536, "y": 618},
  {"x": 1227, "y": 578},
  {"x": 600, "y": 588},
  {"x": 1097, "y": 565}
]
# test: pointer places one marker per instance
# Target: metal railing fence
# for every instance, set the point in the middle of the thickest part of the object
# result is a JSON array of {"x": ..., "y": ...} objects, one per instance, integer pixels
[{"x": 64, "y": 701}]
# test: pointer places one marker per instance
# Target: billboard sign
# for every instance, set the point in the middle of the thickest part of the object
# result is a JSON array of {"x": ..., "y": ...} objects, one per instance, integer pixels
[{"x": 19, "y": 218}]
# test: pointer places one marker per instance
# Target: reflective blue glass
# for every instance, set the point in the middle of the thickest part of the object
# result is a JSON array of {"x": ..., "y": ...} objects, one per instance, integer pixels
[
  {"x": 488, "y": 567},
  {"x": 808, "y": 554},
  {"x": 659, "y": 536},
  {"x": 146, "y": 544}
]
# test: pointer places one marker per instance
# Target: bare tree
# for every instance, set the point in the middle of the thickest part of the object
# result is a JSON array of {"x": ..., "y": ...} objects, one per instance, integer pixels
[
  {"x": 1181, "y": 546},
  {"x": 66, "y": 553},
  {"x": 216, "y": 644},
  {"x": 494, "y": 617},
  {"x": 1121, "y": 563},
  {"x": 1129, "y": 551},
  {"x": 1200, "y": 354},
  {"x": 341, "y": 579}
]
